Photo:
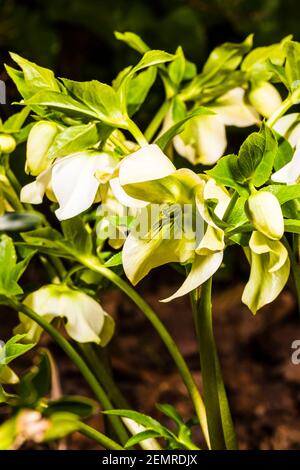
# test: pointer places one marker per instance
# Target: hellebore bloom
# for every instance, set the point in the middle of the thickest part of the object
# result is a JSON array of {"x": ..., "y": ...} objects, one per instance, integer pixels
[
  {"x": 179, "y": 198},
  {"x": 203, "y": 139},
  {"x": 7, "y": 143},
  {"x": 40, "y": 139},
  {"x": 270, "y": 268},
  {"x": 264, "y": 211},
  {"x": 289, "y": 127},
  {"x": 265, "y": 98},
  {"x": 86, "y": 321},
  {"x": 73, "y": 180}
]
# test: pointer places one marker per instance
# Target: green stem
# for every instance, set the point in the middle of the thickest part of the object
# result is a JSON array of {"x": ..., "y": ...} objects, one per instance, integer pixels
[
  {"x": 76, "y": 359},
  {"x": 97, "y": 436},
  {"x": 118, "y": 143},
  {"x": 94, "y": 265},
  {"x": 137, "y": 133},
  {"x": 156, "y": 121},
  {"x": 13, "y": 200},
  {"x": 231, "y": 205},
  {"x": 287, "y": 103},
  {"x": 220, "y": 426},
  {"x": 295, "y": 270},
  {"x": 103, "y": 376}
]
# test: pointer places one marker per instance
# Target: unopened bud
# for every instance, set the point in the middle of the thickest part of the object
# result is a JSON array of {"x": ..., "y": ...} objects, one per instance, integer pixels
[
  {"x": 7, "y": 143},
  {"x": 264, "y": 211},
  {"x": 40, "y": 139},
  {"x": 265, "y": 98}
]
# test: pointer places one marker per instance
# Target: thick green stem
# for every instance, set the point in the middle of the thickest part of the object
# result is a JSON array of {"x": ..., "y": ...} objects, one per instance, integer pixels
[
  {"x": 103, "y": 376},
  {"x": 97, "y": 436},
  {"x": 295, "y": 270},
  {"x": 156, "y": 121},
  {"x": 220, "y": 426},
  {"x": 94, "y": 265},
  {"x": 118, "y": 143},
  {"x": 76, "y": 359},
  {"x": 137, "y": 133}
]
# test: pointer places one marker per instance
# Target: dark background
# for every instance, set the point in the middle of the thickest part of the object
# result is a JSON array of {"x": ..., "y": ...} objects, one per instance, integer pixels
[{"x": 76, "y": 39}]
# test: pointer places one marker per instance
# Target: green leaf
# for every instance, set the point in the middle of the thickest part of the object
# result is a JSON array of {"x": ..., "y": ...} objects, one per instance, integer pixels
[
  {"x": 238, "y": 215},
  {"x": 132, "y": 40},
  {"x": 8, "y": 432},
  {"x": 141, "y": 436},
  {"x": 61, "y": 102},
  {"x": 139, "y": 88},
  {"x": 46, "y": 240},
  {"x": 140, "y": 418},
  {"x": 223, "y": 173},
  {"x": 36, "y": 383},
  {"x": 115, "y": 260},
  {"x": 292, "y": 65},
  {"x": 17, "y": 222},
  {"x": 171, "y": 412},
  {"x": 177, "y": 67},
  {"x": 61, "y": 425},
  {"x": 35, "y": 77},
  {"x": 151, "y": 58},
  {"x": 103, "y": 101},
  {"x": 292, "y": 225},
  {"x": 284, "y": 153},
  {"x": 77, "y": 236},
  {"x": 227, "y": 57},
  {"x": 256, "y": 157},
  {"x": 163, "y": 140},
  {"x": 279, "y": 74},
  {"x": 15, "y": 122},
  {"x": 284, "y": 193},
  {"x": 74, "y": 139},
  {"x": 13, "y": 349},
  {"x": 8, "y": 263},
  {"x": 80, "y": 406},
  {"x": 256, "y": 61}
]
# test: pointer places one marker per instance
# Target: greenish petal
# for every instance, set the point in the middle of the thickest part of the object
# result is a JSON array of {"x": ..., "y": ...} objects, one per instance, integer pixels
[{"x": 270, "y": 268}]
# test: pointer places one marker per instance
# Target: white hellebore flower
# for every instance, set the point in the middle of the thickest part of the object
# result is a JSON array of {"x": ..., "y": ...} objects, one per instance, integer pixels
[
  {"x": 203, "y": 139},
  {"x": 289, "y": 127},
  {"x": 86, "y": 321},
  {"x": 149, "y": 177},
  {"x": 265, "y": 98},
  {"x": 74, "y": 180}
]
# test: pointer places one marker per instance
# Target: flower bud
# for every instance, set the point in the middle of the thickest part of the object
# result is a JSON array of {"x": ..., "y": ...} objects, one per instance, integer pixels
[
  {"x": 265, "y": 98},
  {"x": 40, "y": 139},
  {"x": 264, "y": 211},
  {"x": 7, "y": 143}
]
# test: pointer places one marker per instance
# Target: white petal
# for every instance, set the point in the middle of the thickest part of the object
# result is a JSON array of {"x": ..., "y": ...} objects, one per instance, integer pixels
[
  {"x": 233, "y": 110},
  {"x": 290, "y": 172},
  {"x": 286, "y": 123},
  {"x": 74, "y": 183},
  {"x": 203, "y": 268},
  {"x": 33, "y": 193},
  {"x": 148, "y": 163},
  {"x": 123, "y": 197}
]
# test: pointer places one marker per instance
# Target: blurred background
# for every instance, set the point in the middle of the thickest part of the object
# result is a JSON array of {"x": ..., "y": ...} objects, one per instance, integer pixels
[{"x": 75, "y": 38}]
